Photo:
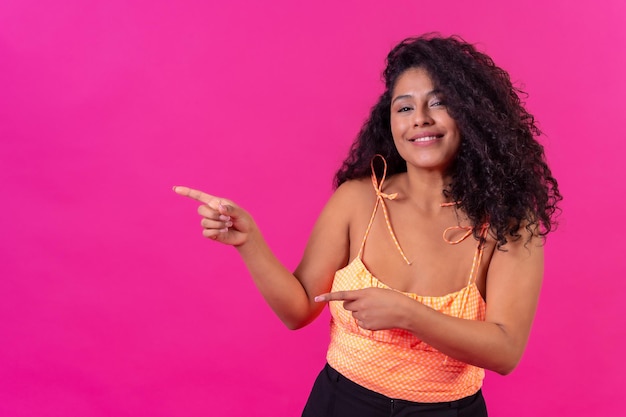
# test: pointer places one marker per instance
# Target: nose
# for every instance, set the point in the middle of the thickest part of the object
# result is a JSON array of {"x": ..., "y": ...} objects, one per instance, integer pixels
[{"x": 422, "y": 117}]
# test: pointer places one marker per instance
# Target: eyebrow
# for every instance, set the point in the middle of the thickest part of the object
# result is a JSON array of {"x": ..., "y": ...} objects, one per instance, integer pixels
[{"x": 431, "y": 93}]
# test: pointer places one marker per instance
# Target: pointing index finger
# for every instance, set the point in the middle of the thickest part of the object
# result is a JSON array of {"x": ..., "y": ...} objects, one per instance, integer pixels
[
  {"x": 336, "y": 296},
  {"x": 195, "y": 194}
]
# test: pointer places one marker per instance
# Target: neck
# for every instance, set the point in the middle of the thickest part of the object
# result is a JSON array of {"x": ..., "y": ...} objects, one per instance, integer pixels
[{"x": 425, "y": 189}]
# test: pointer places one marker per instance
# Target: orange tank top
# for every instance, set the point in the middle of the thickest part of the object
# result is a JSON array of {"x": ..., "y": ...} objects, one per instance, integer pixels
[{"x": 394, "y": 362}]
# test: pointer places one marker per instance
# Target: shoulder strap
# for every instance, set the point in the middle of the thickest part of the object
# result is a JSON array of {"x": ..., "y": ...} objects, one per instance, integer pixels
[
  {"x": 380, "y": 199},
  {"x": 478, "y": 254}
]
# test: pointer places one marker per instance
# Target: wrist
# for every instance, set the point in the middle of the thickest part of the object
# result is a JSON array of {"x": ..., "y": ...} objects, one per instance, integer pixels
[
  {"x": 411, "y": 315},
  {"x": 251, "y": 242}
]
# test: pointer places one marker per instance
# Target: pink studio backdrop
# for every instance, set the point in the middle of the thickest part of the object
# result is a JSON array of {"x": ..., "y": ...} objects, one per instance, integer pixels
[{"x": 112, "y": 302}]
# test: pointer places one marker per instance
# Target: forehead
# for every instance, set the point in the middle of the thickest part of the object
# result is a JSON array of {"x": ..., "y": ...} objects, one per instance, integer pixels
[{"x": 413, "y": 80}]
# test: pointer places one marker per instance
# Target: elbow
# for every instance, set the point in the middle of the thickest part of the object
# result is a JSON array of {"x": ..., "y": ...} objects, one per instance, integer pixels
[
  {"x": 505, "y": 369},
  {"x": 505, "y": 356},
  {"x": 507, "y": 364},
  {"x": 298, "y": 319},
  {"x": 295, "y": 323}
]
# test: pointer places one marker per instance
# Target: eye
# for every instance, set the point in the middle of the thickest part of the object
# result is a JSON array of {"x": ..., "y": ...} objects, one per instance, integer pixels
[
  {"x": 437, "y": 103},
  {"x": 404, "y": 109}
]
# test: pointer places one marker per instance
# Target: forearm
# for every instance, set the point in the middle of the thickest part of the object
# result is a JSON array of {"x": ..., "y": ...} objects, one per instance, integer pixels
[
  {"x": 289, "y": 295},
  {"x": 480, "y": 343},
  {"x": 279, "y": 287}
]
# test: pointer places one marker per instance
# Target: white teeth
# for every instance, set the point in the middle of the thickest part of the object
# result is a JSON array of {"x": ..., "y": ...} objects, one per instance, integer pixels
[{"x": 424, "y": 139}]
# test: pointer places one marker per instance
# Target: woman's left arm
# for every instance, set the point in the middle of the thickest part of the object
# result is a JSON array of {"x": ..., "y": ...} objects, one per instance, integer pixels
[{"x": 513, "y": 285}]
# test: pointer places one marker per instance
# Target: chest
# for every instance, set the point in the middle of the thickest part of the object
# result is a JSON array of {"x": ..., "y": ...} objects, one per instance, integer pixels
[{"x": 437, "y": 267}]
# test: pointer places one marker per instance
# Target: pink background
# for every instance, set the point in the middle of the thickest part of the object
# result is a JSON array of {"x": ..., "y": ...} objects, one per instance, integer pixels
[{"x": 112, "y": 303}]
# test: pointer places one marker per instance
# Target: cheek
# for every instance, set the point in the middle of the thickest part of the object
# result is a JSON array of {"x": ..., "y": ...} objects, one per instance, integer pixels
[
  {"x": 396, "y": 135},
  {"x": 455, "y": 134},
  {"x": 457, "y": 144},
  {"x": 397, "y": 127}
]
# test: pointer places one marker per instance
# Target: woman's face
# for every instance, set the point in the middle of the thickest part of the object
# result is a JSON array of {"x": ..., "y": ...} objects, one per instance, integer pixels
[{"x": 424, "y": 133}]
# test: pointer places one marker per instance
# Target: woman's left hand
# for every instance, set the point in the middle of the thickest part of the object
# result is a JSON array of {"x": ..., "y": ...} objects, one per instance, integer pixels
[{"x": 373, "y": 308}]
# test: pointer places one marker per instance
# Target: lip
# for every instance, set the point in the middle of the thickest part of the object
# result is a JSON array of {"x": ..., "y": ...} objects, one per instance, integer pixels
[{"x": 425, "y": 138}]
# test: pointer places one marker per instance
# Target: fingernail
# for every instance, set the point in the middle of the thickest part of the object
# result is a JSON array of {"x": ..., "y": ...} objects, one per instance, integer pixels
[
  {"x": 229, "y": 224},
  {"x": 319, "y": 298},
  {"x": 224, "y": 217},
  {"x": 174, "y": 187}
]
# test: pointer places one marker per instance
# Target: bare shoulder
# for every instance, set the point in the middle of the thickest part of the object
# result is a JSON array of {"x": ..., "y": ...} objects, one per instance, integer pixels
[
  {"x": 516, "y": 270},
  {"x": 328, "y": 249},
  {"x": 356, "y": 187},
  {"x": 526, "y": 244},
  {"x": 343, "y": 207},
  {"x": 351, "y": 194}
]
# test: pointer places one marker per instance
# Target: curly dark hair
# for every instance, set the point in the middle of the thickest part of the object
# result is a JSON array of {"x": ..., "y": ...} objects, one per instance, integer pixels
[{"x": 500, "y": 174}]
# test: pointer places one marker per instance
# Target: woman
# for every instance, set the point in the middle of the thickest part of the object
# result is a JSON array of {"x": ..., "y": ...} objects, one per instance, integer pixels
[{"x": 432, "y": 267}]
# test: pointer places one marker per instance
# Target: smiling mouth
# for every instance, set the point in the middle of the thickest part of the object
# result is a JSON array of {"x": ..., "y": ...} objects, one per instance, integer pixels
[{"x": 426, "y": 138}]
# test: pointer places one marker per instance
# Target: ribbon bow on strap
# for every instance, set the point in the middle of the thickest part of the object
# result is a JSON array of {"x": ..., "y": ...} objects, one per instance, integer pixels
[{"x": 380, "y": 199}]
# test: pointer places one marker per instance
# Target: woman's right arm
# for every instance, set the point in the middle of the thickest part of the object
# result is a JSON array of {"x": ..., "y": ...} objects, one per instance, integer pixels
[{"x": 290, "y": 295}]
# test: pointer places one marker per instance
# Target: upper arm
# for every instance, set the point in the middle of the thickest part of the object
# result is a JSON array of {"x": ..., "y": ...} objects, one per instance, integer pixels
[
  {"x": 328, "y": 247},
  {"x": 513, "y": 284}
]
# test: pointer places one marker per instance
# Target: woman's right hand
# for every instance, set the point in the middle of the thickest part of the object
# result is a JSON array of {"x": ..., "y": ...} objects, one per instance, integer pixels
[
  {"x": 289, "y": 294},
  {"x": 222, "y": 220}
]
